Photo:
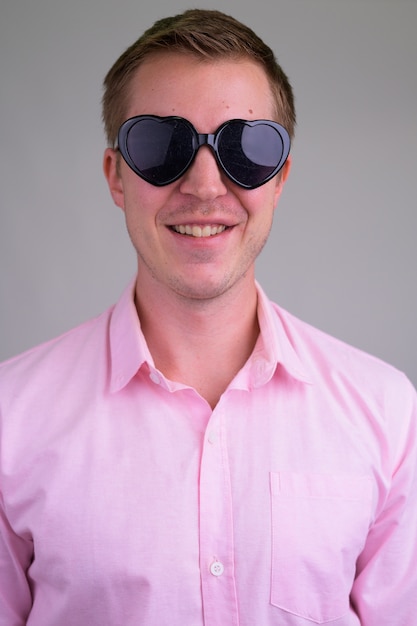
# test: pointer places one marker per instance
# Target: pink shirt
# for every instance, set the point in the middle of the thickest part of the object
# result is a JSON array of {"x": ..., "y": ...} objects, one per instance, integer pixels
[{"x": 126, "y": 501}]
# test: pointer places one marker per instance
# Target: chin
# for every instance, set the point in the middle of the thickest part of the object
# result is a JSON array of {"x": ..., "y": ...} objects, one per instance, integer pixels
[{"x": 203, "y": 290}]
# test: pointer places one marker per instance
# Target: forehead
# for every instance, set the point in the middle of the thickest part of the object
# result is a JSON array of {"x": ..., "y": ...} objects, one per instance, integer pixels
[{"x": 180, "y": 84}]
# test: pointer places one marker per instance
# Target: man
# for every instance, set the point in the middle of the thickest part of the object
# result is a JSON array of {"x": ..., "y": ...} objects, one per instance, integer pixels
[{"x": 196, "y": 455}]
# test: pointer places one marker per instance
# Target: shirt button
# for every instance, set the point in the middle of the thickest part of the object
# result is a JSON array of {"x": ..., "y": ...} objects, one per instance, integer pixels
[
  {"x": 154, "y": 376},
  {"x": 217, "y": 568},
  {"x": 212, "y": 437}
]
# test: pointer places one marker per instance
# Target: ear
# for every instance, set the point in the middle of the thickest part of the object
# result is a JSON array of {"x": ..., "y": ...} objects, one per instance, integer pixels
[
  {"x": 111, "y": 167},
  {"x": 282, "y": 177}
]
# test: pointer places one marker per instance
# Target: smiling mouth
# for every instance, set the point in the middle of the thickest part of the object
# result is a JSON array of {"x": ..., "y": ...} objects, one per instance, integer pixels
[{"x": 193, "y": 230}]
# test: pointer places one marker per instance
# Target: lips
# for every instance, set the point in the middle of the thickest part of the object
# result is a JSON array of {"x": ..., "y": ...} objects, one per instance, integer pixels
[{"x": 193, "y": 230}]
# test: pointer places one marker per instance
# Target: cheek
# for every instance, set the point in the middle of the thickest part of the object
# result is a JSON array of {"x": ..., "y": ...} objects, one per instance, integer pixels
[
  {"x": 262, "y": 201},
  {"x": 137, "y": 195},
  {"x": 144, "y": 205}
]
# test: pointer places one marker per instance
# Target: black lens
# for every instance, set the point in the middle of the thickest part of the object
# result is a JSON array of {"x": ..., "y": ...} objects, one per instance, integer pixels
[
  {"x": 250, "y": 153},
  {"x": 160, "y": 149}
]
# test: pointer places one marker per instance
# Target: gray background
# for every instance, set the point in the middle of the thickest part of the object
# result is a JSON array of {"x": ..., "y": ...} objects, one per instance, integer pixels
[{"x": 342, "y": 253}]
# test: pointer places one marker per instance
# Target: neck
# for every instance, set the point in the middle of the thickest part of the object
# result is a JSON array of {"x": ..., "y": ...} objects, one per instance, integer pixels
[{"x": 200, "y": 343}]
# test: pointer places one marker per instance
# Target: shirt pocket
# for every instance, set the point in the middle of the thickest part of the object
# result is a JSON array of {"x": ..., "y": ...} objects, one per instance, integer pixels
[{"x": 319, "y": 527}]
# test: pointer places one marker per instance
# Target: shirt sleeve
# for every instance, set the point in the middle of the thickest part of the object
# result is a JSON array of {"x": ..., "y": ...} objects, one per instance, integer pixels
[
  {"x": 15, "y": 558},
  {"x": 385, "y": 588}
]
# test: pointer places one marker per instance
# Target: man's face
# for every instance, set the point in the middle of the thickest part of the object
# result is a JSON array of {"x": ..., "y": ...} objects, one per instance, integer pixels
[{"x": 203, "y": 200}]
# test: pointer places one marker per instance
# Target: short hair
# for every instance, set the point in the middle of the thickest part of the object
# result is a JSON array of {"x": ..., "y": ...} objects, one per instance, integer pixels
[{"x": 207, "y": 35}]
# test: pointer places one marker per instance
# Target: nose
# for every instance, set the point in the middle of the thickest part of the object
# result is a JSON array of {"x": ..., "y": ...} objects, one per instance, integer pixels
[{"x": 204, "y": 178}]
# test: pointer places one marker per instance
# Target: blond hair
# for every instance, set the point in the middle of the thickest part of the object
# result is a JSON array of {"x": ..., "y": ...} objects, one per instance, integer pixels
[{"x": 208, "y": 35}]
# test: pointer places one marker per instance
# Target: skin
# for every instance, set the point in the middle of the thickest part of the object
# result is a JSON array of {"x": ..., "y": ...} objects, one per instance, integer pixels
[{"x": 196, "y": 296}]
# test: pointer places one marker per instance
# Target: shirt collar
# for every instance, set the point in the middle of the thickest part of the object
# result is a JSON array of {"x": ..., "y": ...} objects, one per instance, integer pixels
[
  {"x": 129, "y": 350},
  {"x": 274, "y": 346}
]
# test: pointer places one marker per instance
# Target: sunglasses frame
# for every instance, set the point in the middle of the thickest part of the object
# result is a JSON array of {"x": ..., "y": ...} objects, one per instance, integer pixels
[{"x": 201, "y": 139}]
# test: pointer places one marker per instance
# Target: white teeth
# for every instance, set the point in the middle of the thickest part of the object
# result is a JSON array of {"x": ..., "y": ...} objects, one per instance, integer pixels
[{"x": 198, "y": 231}]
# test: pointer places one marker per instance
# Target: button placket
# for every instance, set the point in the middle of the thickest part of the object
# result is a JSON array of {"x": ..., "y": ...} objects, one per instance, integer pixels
[{"x": 216, "y": 527}]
